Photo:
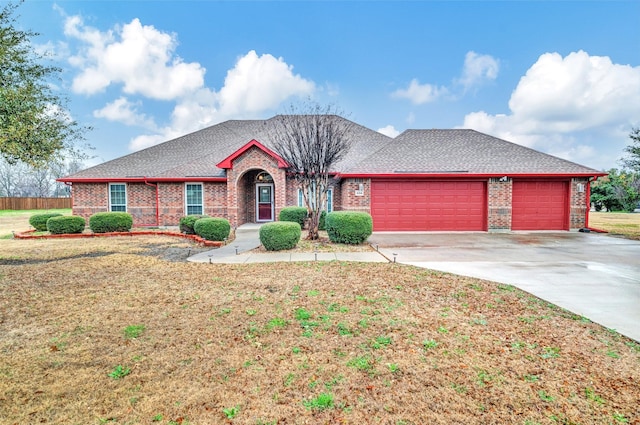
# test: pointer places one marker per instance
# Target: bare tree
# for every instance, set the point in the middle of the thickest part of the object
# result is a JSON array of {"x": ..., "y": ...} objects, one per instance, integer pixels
[
  {"x": 312, "y": 139},
  {"x": 12, "y": 177}
]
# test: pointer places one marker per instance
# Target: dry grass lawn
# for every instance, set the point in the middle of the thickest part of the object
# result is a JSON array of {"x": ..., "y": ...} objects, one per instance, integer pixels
[
  {"x": 112, "y": 331},
  {"x": 625, "y": 224}
]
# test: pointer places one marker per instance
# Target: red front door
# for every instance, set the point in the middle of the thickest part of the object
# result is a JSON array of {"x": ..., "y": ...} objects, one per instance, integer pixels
[{"x": 264, "y": 202}]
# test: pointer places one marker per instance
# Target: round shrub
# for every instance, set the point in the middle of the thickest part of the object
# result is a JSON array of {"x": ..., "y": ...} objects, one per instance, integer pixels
[
  {"x": 187, "y": 222},
  {"x": 350, "y": 227},
  {"x": 39, "y": 221},
  {"x": 212, "y": 228},
  {"x": 280, "y": 235},
  {"x": 294, "y": 214},
  {"x": 104, "y": 222},
  {"x": 322, "y": 223},
  {"x": 66, "y": 224}
]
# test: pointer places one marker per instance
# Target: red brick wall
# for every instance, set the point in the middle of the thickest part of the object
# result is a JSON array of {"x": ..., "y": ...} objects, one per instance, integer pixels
[
  {"x": 578, "y": 205},
  {"x": 141, "y": 204},
  {"x": 499, "y": 203},
  {"x": 348, "y": 201},
  {"x": 89, "y": 198},
  {"x": 215, "y": 199}
]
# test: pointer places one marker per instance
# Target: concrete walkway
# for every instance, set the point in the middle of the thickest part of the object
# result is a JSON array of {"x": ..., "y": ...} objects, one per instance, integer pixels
[{"x": 239, "y": 251}]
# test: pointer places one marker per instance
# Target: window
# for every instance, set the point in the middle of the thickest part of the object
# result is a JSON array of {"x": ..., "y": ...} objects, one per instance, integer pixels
[
  {"x": 118, "y": 197},
  {"x": 194, "y": 198},
  {"x": 329, "y": 207}
]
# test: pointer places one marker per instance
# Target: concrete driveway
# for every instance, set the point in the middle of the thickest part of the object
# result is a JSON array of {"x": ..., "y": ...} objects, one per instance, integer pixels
[{"x": 594, "y": 275}]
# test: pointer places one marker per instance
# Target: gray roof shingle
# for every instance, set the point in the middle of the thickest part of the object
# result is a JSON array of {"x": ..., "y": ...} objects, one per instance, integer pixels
[
  {"x": 414, "y": 151},
  {"x": 461, "y": 151}
]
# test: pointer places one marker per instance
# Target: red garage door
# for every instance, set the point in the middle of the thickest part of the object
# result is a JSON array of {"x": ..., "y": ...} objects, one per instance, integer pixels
[
  {"x": 428, "y": 205},
  {"x": 540, "y": 205}
]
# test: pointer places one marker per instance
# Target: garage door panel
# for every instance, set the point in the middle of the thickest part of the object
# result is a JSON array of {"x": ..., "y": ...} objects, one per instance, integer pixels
[
  {"x": 428, "y": 205},
  {"x": 540, "y": 205}
]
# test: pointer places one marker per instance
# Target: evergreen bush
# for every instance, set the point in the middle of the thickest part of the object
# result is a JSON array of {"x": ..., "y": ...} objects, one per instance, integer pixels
[
  {"x": 322, "y": 223},
  {"x": 104, "y": 222},
  {"x": 294, "y": 214},
  {"x": 66, "y": 224},
  {"x": 280, "y": 235},
  {"x": 212, "y": 228},
  {"x": 350, "y": 227},
  {"x": 39, "y": 221},
  {"x": 187, "y": 222}
]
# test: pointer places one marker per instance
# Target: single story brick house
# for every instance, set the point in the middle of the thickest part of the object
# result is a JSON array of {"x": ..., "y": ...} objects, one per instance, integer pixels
[{"x": 421, "y": 180}]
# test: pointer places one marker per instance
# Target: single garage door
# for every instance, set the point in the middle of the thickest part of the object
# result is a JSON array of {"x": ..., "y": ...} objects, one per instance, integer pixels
[
  {"x": 540, "y": 205},
  {"x": 428, "y": 205}
]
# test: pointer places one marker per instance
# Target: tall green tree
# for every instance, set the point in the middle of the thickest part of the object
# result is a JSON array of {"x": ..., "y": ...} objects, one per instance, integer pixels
[
  {"x": 632, "y": 157},
  {"x": 35, "y": 127}
]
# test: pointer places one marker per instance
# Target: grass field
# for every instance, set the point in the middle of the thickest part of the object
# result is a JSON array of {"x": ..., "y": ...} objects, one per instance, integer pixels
[
  {"x": 109, "y": 331},
  {"x": 12, "y": 220},
  {"x": 625, "y": 224}
]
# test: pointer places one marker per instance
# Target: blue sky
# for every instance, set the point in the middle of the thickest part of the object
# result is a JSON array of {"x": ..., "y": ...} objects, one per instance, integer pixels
[{"x": 560, "y": 77}]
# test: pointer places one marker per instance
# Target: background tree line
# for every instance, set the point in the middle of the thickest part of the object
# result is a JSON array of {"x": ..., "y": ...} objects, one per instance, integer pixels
[{"x": 620, "y": 190}]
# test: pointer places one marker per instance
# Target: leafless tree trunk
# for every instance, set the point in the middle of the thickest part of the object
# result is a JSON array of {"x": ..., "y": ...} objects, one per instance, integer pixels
[{"x": 312, "y": 139}]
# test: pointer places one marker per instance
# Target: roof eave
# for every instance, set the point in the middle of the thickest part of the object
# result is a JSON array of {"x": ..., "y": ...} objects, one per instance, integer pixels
[
  {"x": 139, "y": 179},
  {"x": 227, "y": 163},
  {"x": 468, "y": 175}
]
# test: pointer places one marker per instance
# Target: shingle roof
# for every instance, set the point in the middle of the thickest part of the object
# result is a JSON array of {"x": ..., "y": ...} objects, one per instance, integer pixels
[
  {"x": 461, "y": 152},
  {"x": 195, "y": 155}
]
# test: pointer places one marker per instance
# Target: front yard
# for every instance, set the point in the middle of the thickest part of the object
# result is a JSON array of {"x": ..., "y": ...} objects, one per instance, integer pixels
[
  {"x": 113, "y": 331},
  {"x": 617, "y": 223}
]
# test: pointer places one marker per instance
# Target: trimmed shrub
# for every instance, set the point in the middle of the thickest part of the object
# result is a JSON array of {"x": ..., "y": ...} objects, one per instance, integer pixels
[
  {"x": 294, "y": 214},
  {"x": 212, "y": 228},
  {"x": 322, "y": 223},
  {"x": 39, "y": 221},
  {"x": 187, "y": 222},
  {"x": 280, "y": 235},
  {"x": 104, "y": 222},
  {"x": 350, "y": 227},
  {"x": 66, "y": 224}
]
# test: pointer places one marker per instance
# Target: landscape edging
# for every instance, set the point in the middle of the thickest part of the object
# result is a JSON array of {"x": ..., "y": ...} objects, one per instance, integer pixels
[{"x": 195, "y": 238}]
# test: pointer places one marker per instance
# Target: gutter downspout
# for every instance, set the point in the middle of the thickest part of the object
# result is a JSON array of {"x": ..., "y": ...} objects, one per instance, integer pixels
[
  {"x": 70, "y": 185},
  {"x": 157, "y": 201}
]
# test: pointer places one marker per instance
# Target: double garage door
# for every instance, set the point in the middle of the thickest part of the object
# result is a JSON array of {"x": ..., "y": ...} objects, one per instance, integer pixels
[
  {"x": 432, "y": 205},
  {"x": 428, "y": 205}
]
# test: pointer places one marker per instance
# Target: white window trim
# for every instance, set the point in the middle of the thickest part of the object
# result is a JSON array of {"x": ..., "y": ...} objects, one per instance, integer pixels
[
  {"x": 187, "y": 205},
  {"x": 329, "y": 206},
  {"x": 126, "y": 196}
]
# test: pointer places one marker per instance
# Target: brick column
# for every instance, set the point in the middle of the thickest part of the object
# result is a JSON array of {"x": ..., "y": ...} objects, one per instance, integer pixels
[
  {"x": 578, "y": 202},
  {"x": 499, "y": 204}
]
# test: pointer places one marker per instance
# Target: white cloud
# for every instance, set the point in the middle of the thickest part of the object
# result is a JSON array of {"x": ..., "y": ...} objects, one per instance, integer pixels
[
  {"x": 420, "y": 93},
  {"x": 389, "y": 131},
  {"x": 258, "y": 83},
  {"x": 477, "y": 69},
  {"x": 142, "y": 61},
  {"x": 254, "y": 85},
  {"x": 121, "y": 110},
  {"x": 567, "y": 105},
  {"x": 139, "y": 57}
]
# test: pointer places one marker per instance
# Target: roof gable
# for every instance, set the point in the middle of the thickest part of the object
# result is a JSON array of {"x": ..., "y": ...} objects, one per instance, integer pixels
[{"x": 227, "y": 163}]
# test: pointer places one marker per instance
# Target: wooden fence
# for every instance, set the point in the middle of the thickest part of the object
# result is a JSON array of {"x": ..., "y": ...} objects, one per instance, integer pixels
[{"x": 34, "y": 203}]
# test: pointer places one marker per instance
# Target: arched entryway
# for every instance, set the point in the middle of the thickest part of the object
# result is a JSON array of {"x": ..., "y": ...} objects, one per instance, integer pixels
[{"x": 256, "y": 197}]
